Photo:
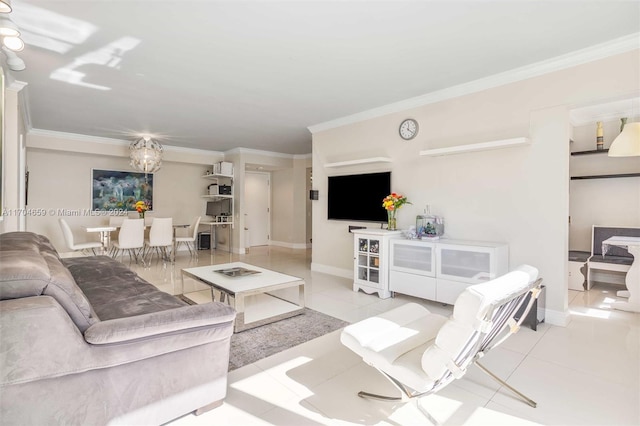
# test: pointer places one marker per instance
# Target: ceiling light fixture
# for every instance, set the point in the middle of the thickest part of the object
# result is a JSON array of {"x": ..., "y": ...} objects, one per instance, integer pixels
[
  {"x": 5, "y": 6},
  {"x": 13, "y": 43},
  {"x": 627, "y": 143},
  {"x": 8, "y": 27},
  {"x": 15, "y": 63},
  {"x": 146, "y": 154}
]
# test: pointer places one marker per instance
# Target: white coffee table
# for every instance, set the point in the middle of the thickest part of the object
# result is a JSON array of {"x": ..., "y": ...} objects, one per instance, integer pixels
[{"x": 253, "y": 288}]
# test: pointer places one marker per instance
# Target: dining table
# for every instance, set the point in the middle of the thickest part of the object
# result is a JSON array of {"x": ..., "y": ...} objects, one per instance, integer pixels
[{"x": 105, "y": 234}]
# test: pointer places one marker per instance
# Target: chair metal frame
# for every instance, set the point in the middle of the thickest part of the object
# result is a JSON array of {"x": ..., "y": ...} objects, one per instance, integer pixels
[{"x": 500, "y": 316}]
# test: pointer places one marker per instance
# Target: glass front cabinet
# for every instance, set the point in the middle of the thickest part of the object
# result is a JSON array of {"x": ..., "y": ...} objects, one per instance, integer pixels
[{"x": 371, "y": 261}]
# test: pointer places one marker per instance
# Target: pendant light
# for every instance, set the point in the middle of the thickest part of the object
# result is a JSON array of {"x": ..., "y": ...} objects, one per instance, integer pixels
[{"x": 627, "y": 144}]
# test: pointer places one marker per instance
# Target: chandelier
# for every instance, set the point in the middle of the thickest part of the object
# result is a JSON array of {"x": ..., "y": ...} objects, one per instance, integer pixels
[
  {"x": 146, "y": 154},
  {"x": 10, "y": 41}
]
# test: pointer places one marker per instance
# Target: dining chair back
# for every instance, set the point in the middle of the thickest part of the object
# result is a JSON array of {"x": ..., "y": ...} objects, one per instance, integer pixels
[
  {"x": 130, "y": 238},
  {"x": 160, "y": 237},
  {"x": 70, "y": 241},
  {"x": 190, "y": 240}
]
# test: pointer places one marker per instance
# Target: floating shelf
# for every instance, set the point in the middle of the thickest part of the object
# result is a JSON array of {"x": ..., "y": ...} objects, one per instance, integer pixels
[
  {"x": 483, "y": 146},
  {"x": 595, "y": 151},
  {"x": 217, "y": 196},
  {"x": 213, "y": 176},
  {"x": 620, "y": 175},
  {"x": 361, "y": 161}
]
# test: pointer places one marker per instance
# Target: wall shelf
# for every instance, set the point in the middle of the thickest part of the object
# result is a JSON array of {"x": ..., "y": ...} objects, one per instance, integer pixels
[
  {"x": 620, "y": 175},
  {"x": 595, "y": 151},
  {"x": 483, "y": 146},
  {"x": 360, "y": 161}
]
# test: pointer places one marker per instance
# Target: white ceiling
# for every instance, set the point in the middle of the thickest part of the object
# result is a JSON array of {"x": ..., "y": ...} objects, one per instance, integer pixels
[{"x": 255, "y": 74}]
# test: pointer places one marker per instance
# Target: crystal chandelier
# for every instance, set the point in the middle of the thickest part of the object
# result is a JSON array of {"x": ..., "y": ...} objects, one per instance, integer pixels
[{"x": 146, "y": 154}]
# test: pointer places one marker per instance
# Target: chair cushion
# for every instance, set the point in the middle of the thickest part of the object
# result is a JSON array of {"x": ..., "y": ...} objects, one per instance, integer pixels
[
  {"x": 468, "y": 312},
  {"x": 395, "y": 340}
]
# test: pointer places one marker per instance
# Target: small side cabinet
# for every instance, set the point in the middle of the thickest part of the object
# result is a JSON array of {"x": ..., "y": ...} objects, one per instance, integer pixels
[{"x": 371, "y": 261}]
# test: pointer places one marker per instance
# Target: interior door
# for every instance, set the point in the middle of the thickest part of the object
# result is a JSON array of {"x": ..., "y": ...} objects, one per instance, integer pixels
[{"x": 257, "y": 196}]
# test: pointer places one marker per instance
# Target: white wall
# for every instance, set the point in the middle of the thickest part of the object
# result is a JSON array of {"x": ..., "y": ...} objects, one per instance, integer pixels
[
  {"x": 516, "y": 195},
  {"x": 60, "y": 180},
  {"x": 289, "y": 206}
]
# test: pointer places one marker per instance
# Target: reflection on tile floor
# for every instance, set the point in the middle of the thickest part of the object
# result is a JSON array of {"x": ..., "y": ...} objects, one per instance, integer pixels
[{"x": 587, "y": 373}]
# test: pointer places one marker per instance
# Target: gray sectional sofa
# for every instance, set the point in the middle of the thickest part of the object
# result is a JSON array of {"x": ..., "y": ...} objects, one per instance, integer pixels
[{"x": 86, "y": 341}]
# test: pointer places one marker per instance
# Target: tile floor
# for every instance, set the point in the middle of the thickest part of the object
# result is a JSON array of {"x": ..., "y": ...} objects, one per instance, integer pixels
[{"x": 587, "y": 373}]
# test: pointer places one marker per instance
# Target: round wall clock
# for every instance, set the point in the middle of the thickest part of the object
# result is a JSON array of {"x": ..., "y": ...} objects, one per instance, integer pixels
[{"x": 408, "y": 129}]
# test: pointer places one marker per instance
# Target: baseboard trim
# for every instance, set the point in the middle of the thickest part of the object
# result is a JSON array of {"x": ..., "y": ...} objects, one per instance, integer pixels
[
  {"x": 559, "y": 318},
  {"x": 295, "y": 246},
  {"x": 332, "y": 270}
]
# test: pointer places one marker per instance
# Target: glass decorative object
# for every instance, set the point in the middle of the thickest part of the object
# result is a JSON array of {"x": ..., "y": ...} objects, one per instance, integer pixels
[
  {"x": 392, "y": 225},
  {"x": 428, "y": 225}
]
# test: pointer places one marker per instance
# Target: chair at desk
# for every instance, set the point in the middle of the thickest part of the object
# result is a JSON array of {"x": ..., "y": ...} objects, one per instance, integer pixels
[
  {"x": 68, "y": 238},
  {"x": 160, "y": 237},
  {"x": 130, "y": 238},
  {"x": 190, "y": 240}
]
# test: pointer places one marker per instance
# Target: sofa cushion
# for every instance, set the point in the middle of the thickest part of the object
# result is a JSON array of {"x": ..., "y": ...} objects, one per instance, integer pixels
[
  {"x": 33, "y": 268},
  {"x": 22, "y": 274},
  {"x": 23, "y": 241},
  {"x": 116, "y": 291}
]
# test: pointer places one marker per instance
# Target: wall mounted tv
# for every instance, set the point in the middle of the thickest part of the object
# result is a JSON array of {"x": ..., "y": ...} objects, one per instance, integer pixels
[{"x": 358, "y": 197}]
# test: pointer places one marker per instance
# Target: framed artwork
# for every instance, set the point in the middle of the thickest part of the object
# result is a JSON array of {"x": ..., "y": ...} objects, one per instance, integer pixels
[{"x": 120, "y": 190}]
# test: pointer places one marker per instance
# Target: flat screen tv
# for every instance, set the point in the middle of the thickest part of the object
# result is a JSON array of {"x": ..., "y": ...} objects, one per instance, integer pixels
[{"x": 358, "y": 197}]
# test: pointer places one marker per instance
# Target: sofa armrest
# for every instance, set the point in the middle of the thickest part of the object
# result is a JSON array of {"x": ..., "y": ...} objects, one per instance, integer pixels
[{"x": 157, "y": 324}]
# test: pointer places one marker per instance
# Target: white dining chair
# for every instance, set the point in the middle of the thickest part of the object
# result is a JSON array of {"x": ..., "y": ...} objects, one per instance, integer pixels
[
  {"x": 160, "y": 238},
  {"x": 70, "y": 241},
  {"x": 190, "y": 240},
  {"x": 130, "y": 239}
]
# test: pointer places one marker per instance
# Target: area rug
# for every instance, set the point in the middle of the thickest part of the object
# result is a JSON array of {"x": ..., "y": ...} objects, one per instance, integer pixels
[{"x": 252, "y": 345}]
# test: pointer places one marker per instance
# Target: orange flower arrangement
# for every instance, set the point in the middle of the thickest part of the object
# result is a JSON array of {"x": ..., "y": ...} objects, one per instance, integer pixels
[
  {"x": 141, "y": 207},
  {"x": 394, "y": 201},
  {"x": 391, "y": 203}
]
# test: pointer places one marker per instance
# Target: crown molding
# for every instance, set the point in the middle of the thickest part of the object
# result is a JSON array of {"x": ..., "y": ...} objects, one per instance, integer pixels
[
  {"x": 115, "y": 142},
  {"x": 16, "y": 85},
  {"x": 578, "y": 57},
  {"x": 267, "y": 153}
]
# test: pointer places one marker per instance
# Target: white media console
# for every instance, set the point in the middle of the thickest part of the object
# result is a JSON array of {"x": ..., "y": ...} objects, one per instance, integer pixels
[{"x": 386, "y": 263}]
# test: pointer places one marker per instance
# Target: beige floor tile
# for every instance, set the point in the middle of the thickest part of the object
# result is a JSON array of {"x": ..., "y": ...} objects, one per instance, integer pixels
[{"x": 585, "y": 373}]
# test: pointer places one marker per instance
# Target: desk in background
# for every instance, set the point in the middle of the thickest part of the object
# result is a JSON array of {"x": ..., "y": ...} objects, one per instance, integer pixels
[{"x": 213, "y": 229}]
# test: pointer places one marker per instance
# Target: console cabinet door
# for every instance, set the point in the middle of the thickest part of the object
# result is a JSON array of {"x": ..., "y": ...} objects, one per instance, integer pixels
[
  {"x": 466, "y": 264},
  {"x": 367, "y": 268},
  {"x": 415, "y": 257}
]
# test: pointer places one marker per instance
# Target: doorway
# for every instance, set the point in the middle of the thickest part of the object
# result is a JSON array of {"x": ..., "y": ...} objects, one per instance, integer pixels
[{"x": 257, "y": 195}]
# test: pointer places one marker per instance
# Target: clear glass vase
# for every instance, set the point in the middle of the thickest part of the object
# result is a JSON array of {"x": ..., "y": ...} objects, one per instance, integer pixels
[{"x": 392, "y": 225}]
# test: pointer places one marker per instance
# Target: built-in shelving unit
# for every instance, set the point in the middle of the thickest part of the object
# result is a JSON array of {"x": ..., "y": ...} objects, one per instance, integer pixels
[
  {"x": 483, "y": 146},
  {"x": 360, "y": 161}
]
